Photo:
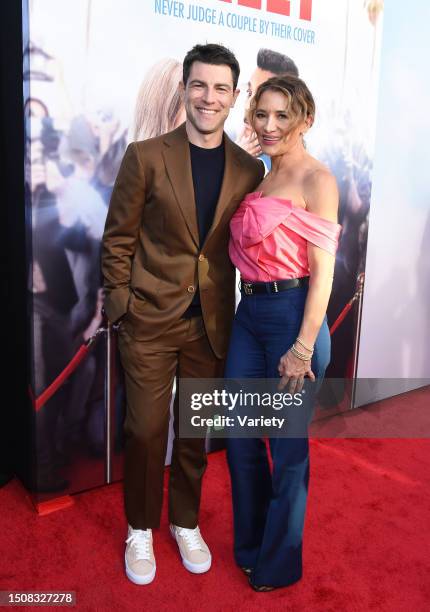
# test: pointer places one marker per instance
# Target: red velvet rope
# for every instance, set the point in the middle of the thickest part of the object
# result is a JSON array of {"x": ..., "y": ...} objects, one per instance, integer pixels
[
  {"x": 342, "y": 316},
  {"x": 348, "y": 306},
  {"x": 85, "y": 348},
  {"x": 80, "y": 355},
  {"x": 61, "y": 378}
]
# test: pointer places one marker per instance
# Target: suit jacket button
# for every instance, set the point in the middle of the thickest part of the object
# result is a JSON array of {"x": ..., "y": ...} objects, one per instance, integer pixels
[
  {"x": 190, "y": 289},
  {"x": 201, "y": 257}
]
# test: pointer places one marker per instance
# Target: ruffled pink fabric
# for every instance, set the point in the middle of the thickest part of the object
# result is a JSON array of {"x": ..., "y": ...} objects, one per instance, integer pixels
[{"x": 269, "y": 238}]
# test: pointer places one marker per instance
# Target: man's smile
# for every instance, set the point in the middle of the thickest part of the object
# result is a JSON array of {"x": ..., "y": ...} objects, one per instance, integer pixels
[{"x": 206, "y": 111}]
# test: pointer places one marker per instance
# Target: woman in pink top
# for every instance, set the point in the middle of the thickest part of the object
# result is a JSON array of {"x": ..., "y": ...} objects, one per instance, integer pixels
[{"x": 283, "y": 241}]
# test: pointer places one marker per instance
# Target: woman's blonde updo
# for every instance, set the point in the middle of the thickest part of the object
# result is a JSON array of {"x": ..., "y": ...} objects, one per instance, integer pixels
[{"x": 300, "y": 102}]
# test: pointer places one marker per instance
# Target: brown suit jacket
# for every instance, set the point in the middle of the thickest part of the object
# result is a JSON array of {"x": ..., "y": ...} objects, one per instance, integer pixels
[{"x": 151, "y": 260}]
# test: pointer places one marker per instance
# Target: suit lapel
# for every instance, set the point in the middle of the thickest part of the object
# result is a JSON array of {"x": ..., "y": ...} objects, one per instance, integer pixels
[
  {"x": 178, "y": 165},
  {"x": 231, "y": 168}
]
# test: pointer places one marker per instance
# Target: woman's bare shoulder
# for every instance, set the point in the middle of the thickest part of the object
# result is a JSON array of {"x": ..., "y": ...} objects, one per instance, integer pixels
[{"x": 320, "y": 191}]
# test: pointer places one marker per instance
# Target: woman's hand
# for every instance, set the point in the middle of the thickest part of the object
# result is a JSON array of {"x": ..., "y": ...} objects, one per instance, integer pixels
[
  {"x": 293, "y": 371},
  {"x": 248, "y": 141}
]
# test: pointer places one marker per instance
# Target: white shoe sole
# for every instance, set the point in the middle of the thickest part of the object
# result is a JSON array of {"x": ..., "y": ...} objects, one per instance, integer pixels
[
  {"x": 194, "y": 568},
  {"x": 136, "y": 578}
]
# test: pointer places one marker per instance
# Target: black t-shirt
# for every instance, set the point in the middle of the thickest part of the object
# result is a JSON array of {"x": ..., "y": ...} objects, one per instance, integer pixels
[{"x": 207, "y": 166}]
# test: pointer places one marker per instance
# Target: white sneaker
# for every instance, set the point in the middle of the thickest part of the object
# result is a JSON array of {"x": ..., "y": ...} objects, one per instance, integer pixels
[
  {"x": 139, "y": 556},
  {"x": 195, "y": 553}
]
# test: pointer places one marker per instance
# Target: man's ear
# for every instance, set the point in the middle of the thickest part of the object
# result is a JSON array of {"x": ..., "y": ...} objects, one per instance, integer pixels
[
  {"x": 235, "y": 96},
  {"x": 181, "y": 88}
]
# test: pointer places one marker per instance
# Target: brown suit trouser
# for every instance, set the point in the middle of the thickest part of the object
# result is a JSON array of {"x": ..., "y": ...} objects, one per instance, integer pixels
[{"x": 150, "y": 368}]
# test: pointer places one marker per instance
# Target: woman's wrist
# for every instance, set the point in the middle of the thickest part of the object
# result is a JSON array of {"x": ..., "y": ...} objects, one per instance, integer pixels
[
  {"x": 300, "y": 354},
  {"x": 302, "y": 350},
  {"x": 308, "y": 347}
]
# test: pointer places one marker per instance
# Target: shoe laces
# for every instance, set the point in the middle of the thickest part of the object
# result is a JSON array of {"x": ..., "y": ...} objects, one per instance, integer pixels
[
  {"x": 192, "y": 537},
  {"x": 140, "y": 540}
]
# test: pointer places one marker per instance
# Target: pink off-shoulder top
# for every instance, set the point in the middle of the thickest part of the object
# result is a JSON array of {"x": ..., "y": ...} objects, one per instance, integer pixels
[{"x": 269, "y": 237}]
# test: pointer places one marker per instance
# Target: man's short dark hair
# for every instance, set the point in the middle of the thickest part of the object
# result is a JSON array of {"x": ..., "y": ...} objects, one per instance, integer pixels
[
  {"x": 217, "y": 55},
  {"x": 275, "y": 62}
]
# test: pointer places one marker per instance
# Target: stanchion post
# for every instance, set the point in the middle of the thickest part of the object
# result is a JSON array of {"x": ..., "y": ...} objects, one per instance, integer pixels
[
  {"x": 360, "y": 287},
  {"x": 109, "y": 401}
]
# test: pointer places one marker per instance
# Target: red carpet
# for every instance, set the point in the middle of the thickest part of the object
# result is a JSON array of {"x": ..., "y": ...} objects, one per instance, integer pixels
[{"x": 366, "y": 541}]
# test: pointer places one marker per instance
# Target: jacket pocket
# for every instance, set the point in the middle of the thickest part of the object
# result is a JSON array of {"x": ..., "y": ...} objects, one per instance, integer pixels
[{"x": 135, "y": 304}]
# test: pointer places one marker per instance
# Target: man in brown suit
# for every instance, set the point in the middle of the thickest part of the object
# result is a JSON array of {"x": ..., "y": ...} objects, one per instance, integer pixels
[{"x": 170, "y": 285}]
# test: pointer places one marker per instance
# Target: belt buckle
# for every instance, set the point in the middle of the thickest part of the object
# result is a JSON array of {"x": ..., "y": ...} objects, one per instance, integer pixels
[{"x": 247, "y": 287}]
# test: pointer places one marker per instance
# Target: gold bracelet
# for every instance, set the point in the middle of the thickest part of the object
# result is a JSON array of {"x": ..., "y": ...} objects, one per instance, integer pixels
[
  {"x": 305, "y": 355},
  {"x": 311, "y": 350},
  {"x": 299, "y": 355}
]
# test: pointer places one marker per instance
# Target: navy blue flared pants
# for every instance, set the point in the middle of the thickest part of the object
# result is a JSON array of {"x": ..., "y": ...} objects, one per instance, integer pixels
[{"x": 269, "y": 507}]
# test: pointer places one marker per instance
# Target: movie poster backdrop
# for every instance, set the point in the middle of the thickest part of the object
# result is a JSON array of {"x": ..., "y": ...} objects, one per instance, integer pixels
[{"x": 101, "y": 73}]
